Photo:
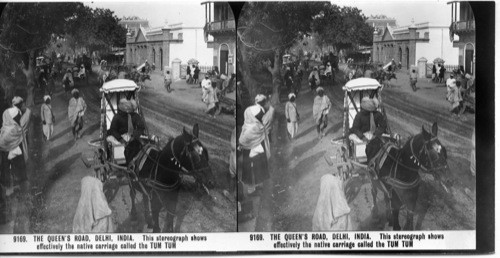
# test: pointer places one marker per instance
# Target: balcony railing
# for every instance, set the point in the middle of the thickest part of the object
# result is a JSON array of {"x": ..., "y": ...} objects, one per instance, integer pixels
[
  {"x": 220, "y": 26},
  {"x": 463, "y": 26}
]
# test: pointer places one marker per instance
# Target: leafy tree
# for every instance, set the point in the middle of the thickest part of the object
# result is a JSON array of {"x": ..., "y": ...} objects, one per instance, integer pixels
[
  {"x": 265, "y": 31},
  {"x": 343, "y": 27},
  {"x": 26, "y": 29}
]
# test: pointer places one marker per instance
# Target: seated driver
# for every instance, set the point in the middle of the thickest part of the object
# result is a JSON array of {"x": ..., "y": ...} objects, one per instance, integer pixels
[
  {"x": 126, "y": 124},
  {"x": 368, "y": 126}
]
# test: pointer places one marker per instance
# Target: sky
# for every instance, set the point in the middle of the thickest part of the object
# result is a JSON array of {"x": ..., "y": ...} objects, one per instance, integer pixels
[
  {"x": 436, "y": 12},
  {"x": 190, "y": 13}
]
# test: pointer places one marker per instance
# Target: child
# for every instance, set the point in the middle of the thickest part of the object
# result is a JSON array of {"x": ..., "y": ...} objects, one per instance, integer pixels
[{"x": 48, "y": 118}]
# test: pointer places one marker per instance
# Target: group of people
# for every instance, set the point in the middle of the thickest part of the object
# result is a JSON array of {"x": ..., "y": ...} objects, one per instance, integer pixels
[
  {"x": 438, "y": 73},
  {"x": 192, "y": 74},
  {"x": 459, "y": 85}
]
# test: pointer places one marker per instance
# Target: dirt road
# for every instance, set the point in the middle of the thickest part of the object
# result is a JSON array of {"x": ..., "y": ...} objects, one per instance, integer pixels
[
  {"x": 55, "y": 184},
  {"x": 297, "y": 166}
]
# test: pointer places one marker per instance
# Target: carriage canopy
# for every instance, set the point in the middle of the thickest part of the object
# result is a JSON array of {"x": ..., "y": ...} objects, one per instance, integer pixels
[
  {"x": 362, "y": 84},
  {"x": 119, "y": 85}
]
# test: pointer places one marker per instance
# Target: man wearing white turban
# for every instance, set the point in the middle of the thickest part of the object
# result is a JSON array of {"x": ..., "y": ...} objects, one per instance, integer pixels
[
  {"x": 13, "y": 144},
  {"x": 254, "y": 144},
  {"x": 292, "y": 116},
  {"x": 368, "y": 126},
  {"x": 321, "y": 108},
  {"x": 76, "y": 110},
  {"x": 48, "y": 118}
]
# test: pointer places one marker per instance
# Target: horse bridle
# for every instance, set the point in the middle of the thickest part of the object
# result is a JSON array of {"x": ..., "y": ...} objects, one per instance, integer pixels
[{"x": 424, "y": 149}]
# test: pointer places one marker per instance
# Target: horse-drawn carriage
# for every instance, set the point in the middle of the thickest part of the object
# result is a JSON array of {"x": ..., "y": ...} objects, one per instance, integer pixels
[
  {"x": 148, "y": 168},
  {"x": 394, "y": 169}
]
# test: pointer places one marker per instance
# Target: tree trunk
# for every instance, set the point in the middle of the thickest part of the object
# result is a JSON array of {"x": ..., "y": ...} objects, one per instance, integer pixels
[
  {"x": 30, "y": 79},
  {"x": 248, "y": 81},
  {"x": 276, "y": 75}
]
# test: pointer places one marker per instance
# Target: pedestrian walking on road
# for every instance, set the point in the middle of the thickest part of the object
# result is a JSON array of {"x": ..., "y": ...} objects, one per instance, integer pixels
[
  {"x": 48, "y": 118},
  {"x": 76, "y": 110},
  {"x": 13, "y": 143},
  {"x": 321, "y": 109},
  {"x": 434, "y": 73},
  {"x": 413, "y": 79},
  {"x": 67, "y": 81},
  {"x": 441, "y": 73},
  {"x": 314, "y": 78},
  {"x": 292, "y": 116},
  {"x": 196, "y": 75},
  {"x": 454, "y": 96},
  {"x": 210, "y": 98},
  {"x": 168, "y": 80}
]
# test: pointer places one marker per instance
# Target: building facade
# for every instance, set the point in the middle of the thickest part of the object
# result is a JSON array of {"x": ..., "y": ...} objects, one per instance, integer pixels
[
  {"x": 463, "y": 34},
  {"x": 220, "y": 35},
  {"x": 409, "y": 43},
  {"x": 160, "y": 46}
]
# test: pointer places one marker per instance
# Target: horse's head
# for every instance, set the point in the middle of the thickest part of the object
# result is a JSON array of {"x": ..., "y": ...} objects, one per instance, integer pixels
[
  {"x": 196, "y": 157},
  {"x": 433, "y": 157}
]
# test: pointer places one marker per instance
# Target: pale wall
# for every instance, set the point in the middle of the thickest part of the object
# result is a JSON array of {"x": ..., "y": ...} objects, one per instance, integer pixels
[
  {"x": 193, "y": 46},
  {"x": 439, "y": 45}
]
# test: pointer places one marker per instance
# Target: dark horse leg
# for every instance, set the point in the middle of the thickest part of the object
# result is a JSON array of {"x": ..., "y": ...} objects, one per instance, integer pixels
[
  {"x": 410, "y": 199},
  {"x": 396, "y": 206},
  {"x": 171, "y": 208},
  {"x": 133, "y": 210},
  {"x": 156, "y": 206}
]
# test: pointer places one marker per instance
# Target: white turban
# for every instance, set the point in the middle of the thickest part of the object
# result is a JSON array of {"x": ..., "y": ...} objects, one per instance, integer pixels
[
  {"x": 291, "y": 95},
  {"x": 259, "y": 98},
  {"x": 319, "y": 89},
  {"x": 74, "y": 91},
  {"x": 46, "y": 97},
  {"x": 16, "y": 100}
]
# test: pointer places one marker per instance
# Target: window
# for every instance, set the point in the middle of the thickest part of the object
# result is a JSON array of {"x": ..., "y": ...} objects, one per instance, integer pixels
[
  {"x": 171, "y": 36},
  {"x": 418, "y": 35},
  {"x": 426, "y": 35},
  {"x": 179, "y": 36}
]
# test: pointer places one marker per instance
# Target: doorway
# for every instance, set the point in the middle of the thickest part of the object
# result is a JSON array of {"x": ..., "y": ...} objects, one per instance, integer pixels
[
  {"x": 161, "y": 59},
  {"x": 469, "y": 58},
  {"x": 223, "y": 59}
]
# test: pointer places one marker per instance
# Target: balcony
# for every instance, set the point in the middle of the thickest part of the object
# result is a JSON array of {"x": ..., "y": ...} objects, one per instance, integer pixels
[
  {"x": 459, "y": 27},
  {"x": 217, "y": 27}
]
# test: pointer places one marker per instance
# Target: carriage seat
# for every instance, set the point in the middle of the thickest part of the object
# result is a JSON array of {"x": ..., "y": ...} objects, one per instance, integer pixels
[{"x": 117, "y": 150}]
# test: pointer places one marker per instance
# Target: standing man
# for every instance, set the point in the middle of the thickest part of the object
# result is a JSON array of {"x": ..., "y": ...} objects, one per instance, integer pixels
[
  {"x": 76, "y": 110},
  {"x": 254, "y": 144},
  {"x": 13, "y": 142},
  {"x": 48, "y": 118},
  {"x": 292, "y": 116},
  {"x": 321, "y": 109}
]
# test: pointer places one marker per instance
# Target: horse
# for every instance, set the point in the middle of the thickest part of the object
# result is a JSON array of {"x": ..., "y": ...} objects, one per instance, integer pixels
[
  {"x": 158, "y": 172},
  {"x": 398, "y": 176}
]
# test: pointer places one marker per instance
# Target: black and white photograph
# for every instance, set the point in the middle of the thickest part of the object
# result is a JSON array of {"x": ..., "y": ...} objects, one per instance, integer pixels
[
  {"x": 117, "y": 117},
  {"x": 168, "y": 127},
  {"x": 356, "y": 116}
]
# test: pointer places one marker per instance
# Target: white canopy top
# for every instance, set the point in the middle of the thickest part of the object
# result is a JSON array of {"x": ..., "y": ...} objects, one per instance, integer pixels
[
  {"x": 361, "y": 84},
  {"x": 118, "y": 85}
]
